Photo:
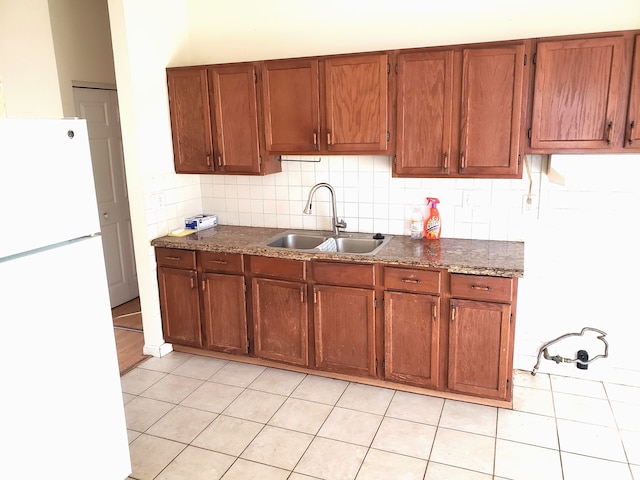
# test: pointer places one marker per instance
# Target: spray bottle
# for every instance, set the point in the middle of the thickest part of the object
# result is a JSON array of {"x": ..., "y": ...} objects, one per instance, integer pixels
[{"x": 433, "y": 225}]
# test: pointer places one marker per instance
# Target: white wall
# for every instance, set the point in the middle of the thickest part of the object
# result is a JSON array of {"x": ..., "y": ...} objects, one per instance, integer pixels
[
  {"x": 28, "y": 69},
  {"x": 148, "y": 36}
]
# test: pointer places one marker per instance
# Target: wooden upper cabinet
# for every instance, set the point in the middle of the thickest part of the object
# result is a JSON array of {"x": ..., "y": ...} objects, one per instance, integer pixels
[
  {"x": 356, "y": 90},
  {"x": 190, "y": 119},
  {"x": 424, "y": 113},
  {"x": 632, "y": 130},
  {"x": 235, "y": 106},
  {"x": 291, "y": 105},
  {"x": 491, "y": 112},
  {"x": 577, "y": 94}
]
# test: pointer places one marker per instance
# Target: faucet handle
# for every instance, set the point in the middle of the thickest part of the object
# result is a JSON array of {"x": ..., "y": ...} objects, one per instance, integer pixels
[{"x": 341, "y": 224}]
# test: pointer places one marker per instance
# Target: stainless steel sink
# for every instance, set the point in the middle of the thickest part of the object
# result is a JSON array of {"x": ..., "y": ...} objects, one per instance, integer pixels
[
  {"x": 311, "y": 241},
  {"x": 297, "y": 241}
]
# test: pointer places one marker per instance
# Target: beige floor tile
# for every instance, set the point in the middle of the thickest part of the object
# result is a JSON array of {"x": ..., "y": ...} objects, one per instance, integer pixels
[
  {"x": 623, "y": 393},
  {"x": 578, "y": 467},
  {"x": 228, "y": 435},
  {"x": 139, "y": 379},
  {"x": 533, "y": 400},
  {"x": 150, "y": 455},
  {"x": 590, "y": 440},
  {"x": 379, "y": 465},
  {"x": 212, "y": 397},
  {"x": 280, "y": 382},
  {"x": 166, "y": 364},
  {"x": 200, "y": 367},
  {"x": 237, "y": 374},
  {"x": 522, "y": 378},
  {"x": 439, "y": 471},
  {"x": 299, "y": 476},
  {"x": 526, "y": 462},
  {"x": 463, "y": 449},
  {"x": 172, "y": 388},
  {"x": 301, "y": 415},
  {"x": 197, "y": 464},
  {"x": 469, "y": 417},
  {"x": 182, "y": 424},
  {"x": 528, "y": 428},
  {"x": 132, "y": 435},
  {"x": 583, "y": 409},
  {"x": 320, "y": 389},
  {"x": 416, "y": 408},
  {"x": 578, "y": 386},
  {"x": 631, "y": 443},
  {"x": 366, "y": 398},
  {"x": 331, "y": 460},
  {"x": 277, "y": 447},
  {"x": 255, "y": 406},
  {"x": 127, "y": 397},
  {"x": 350, "y": 426},
  {"x": 626, "y": 415},
  {"x": 142, "y": 412},
  {"x": 405, "y": 438},
  {"x": 245, "y": 470}
]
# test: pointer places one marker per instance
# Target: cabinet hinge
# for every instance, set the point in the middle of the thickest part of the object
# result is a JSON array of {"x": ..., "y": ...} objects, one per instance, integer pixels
[
  {"x": 255, "y": 77},
  {"x": 388, "y": 136},
  {"x": 525, "y": 59},
  {"x": 245, "y": 287},
  {"x": 396, "y": 68},
  {"x": 376, "y": 365},
  {"x": 388, "y": 68},
  {"x": 394, "y": 159},
  {"x": 375, "y": 303},
  {"x": 508, "y": 384},
  {"x": 529, "y": 133},
  {"x": 250, "y": 344},
  {"x": 259, "y": 159},
  {"x": 511, "y": 318},
  {"x": 519, "y": 159},
  {"x": 534, "y": 58}
]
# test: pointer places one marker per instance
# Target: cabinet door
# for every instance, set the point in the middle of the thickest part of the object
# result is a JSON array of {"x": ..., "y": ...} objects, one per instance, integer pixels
[
  {"x": 356, "y": 103},
  {"x": 180, "y": 306},
  {"x": 491, "y": 111},
  {"x": 632, "y": 135},
  {"x": 225, "y": 318},
  {"x": 280, "y": 321},
  {"x": 576, "y": 93},
  {"x": 190, "y": 120},
  {"x": 344, "y": 330},
  {"x": 234, "y": 104},
  {"x": 411, "y": 336},
  {"x": 425, "y": 102},
  {"x": 291, "y": 105},
  {"x": 479, "y": 349}
]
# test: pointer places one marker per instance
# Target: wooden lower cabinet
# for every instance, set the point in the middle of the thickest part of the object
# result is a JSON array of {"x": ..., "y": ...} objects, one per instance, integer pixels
[
  {"x": 411, "y": 338},
  {"x": 180, "y": 306},
  {"x": 344, "y": 329},
  {"x": 225, "y": 318},
  {"x": 280, "y": 320}
]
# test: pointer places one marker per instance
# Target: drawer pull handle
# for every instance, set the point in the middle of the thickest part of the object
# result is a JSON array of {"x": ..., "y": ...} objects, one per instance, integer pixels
[
  {"x": 315, "y": 137},
  {"x": 175, "y": 259},
  {"x": 221, "y": 262},
  {"x": 301, "y": 294},
  {"x": 453, "y": 313},
  {"x": 481, "y": 287},
  {"x": 410, "y": 280}
]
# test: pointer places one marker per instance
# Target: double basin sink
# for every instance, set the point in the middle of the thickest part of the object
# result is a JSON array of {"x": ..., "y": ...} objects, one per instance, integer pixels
[{"x": 327, "y": 242}]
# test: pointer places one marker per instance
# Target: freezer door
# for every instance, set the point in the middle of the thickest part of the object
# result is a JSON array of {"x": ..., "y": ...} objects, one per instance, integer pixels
[
  {"x": 61, "y": 409},
  {"x": 46, "y": 184}
]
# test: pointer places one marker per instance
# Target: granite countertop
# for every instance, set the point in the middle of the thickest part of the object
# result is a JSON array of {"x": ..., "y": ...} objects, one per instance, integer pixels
[{"x": 478, "y": 257}]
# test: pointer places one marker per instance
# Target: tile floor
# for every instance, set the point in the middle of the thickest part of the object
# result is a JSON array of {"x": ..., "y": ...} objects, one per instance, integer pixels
[{"x": 192, "y": 417}]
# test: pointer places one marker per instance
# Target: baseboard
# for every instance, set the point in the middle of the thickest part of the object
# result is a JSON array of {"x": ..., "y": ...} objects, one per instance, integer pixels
[{"x": 158, "y": 350}]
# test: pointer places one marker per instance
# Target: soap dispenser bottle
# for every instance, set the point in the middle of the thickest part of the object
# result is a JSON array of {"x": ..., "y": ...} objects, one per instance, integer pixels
[{"x": 417, "y": 223}]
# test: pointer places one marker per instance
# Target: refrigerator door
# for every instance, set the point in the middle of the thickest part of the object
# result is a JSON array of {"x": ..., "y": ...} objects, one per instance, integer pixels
[
  {"x": 46, "y": 184},
  {"x": 61, "y": 409}
]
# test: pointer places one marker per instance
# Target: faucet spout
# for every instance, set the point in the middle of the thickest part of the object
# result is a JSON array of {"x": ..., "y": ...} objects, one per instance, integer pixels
[{"x": 337, "y": 223}]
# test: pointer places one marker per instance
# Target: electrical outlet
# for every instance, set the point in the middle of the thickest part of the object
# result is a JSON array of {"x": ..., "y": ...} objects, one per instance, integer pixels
[{"x": 468, "y": 199}]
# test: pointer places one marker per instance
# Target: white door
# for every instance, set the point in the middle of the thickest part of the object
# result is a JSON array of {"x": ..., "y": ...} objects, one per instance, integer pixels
[{"x": 100, "y": 108}]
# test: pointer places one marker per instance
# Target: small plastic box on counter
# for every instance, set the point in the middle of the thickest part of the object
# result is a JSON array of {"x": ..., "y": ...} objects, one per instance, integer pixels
[{"x": 200, "y": 222}]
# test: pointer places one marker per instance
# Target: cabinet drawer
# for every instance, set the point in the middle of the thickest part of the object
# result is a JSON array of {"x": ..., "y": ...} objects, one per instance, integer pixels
[
  {"x": 412, "y": 280},
  {"x": 479, "y": 287},
  {"x": 278, "y": 267},
  {"x": 173, "y": 257},
  {"x": 220, "y": 262},
  {"x": 344, "y": 274}
]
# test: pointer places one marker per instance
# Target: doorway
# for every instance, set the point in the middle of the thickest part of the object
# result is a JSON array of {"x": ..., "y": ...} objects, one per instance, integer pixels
[{"x": 99, "y": 106}]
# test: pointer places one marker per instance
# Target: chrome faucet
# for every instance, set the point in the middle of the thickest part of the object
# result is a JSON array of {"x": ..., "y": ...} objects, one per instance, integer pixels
[{"x": 337, "y": 224}]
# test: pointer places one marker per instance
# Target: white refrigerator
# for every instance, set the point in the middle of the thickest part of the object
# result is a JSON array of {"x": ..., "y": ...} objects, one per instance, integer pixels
[{"x": 61, "y": 403}]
